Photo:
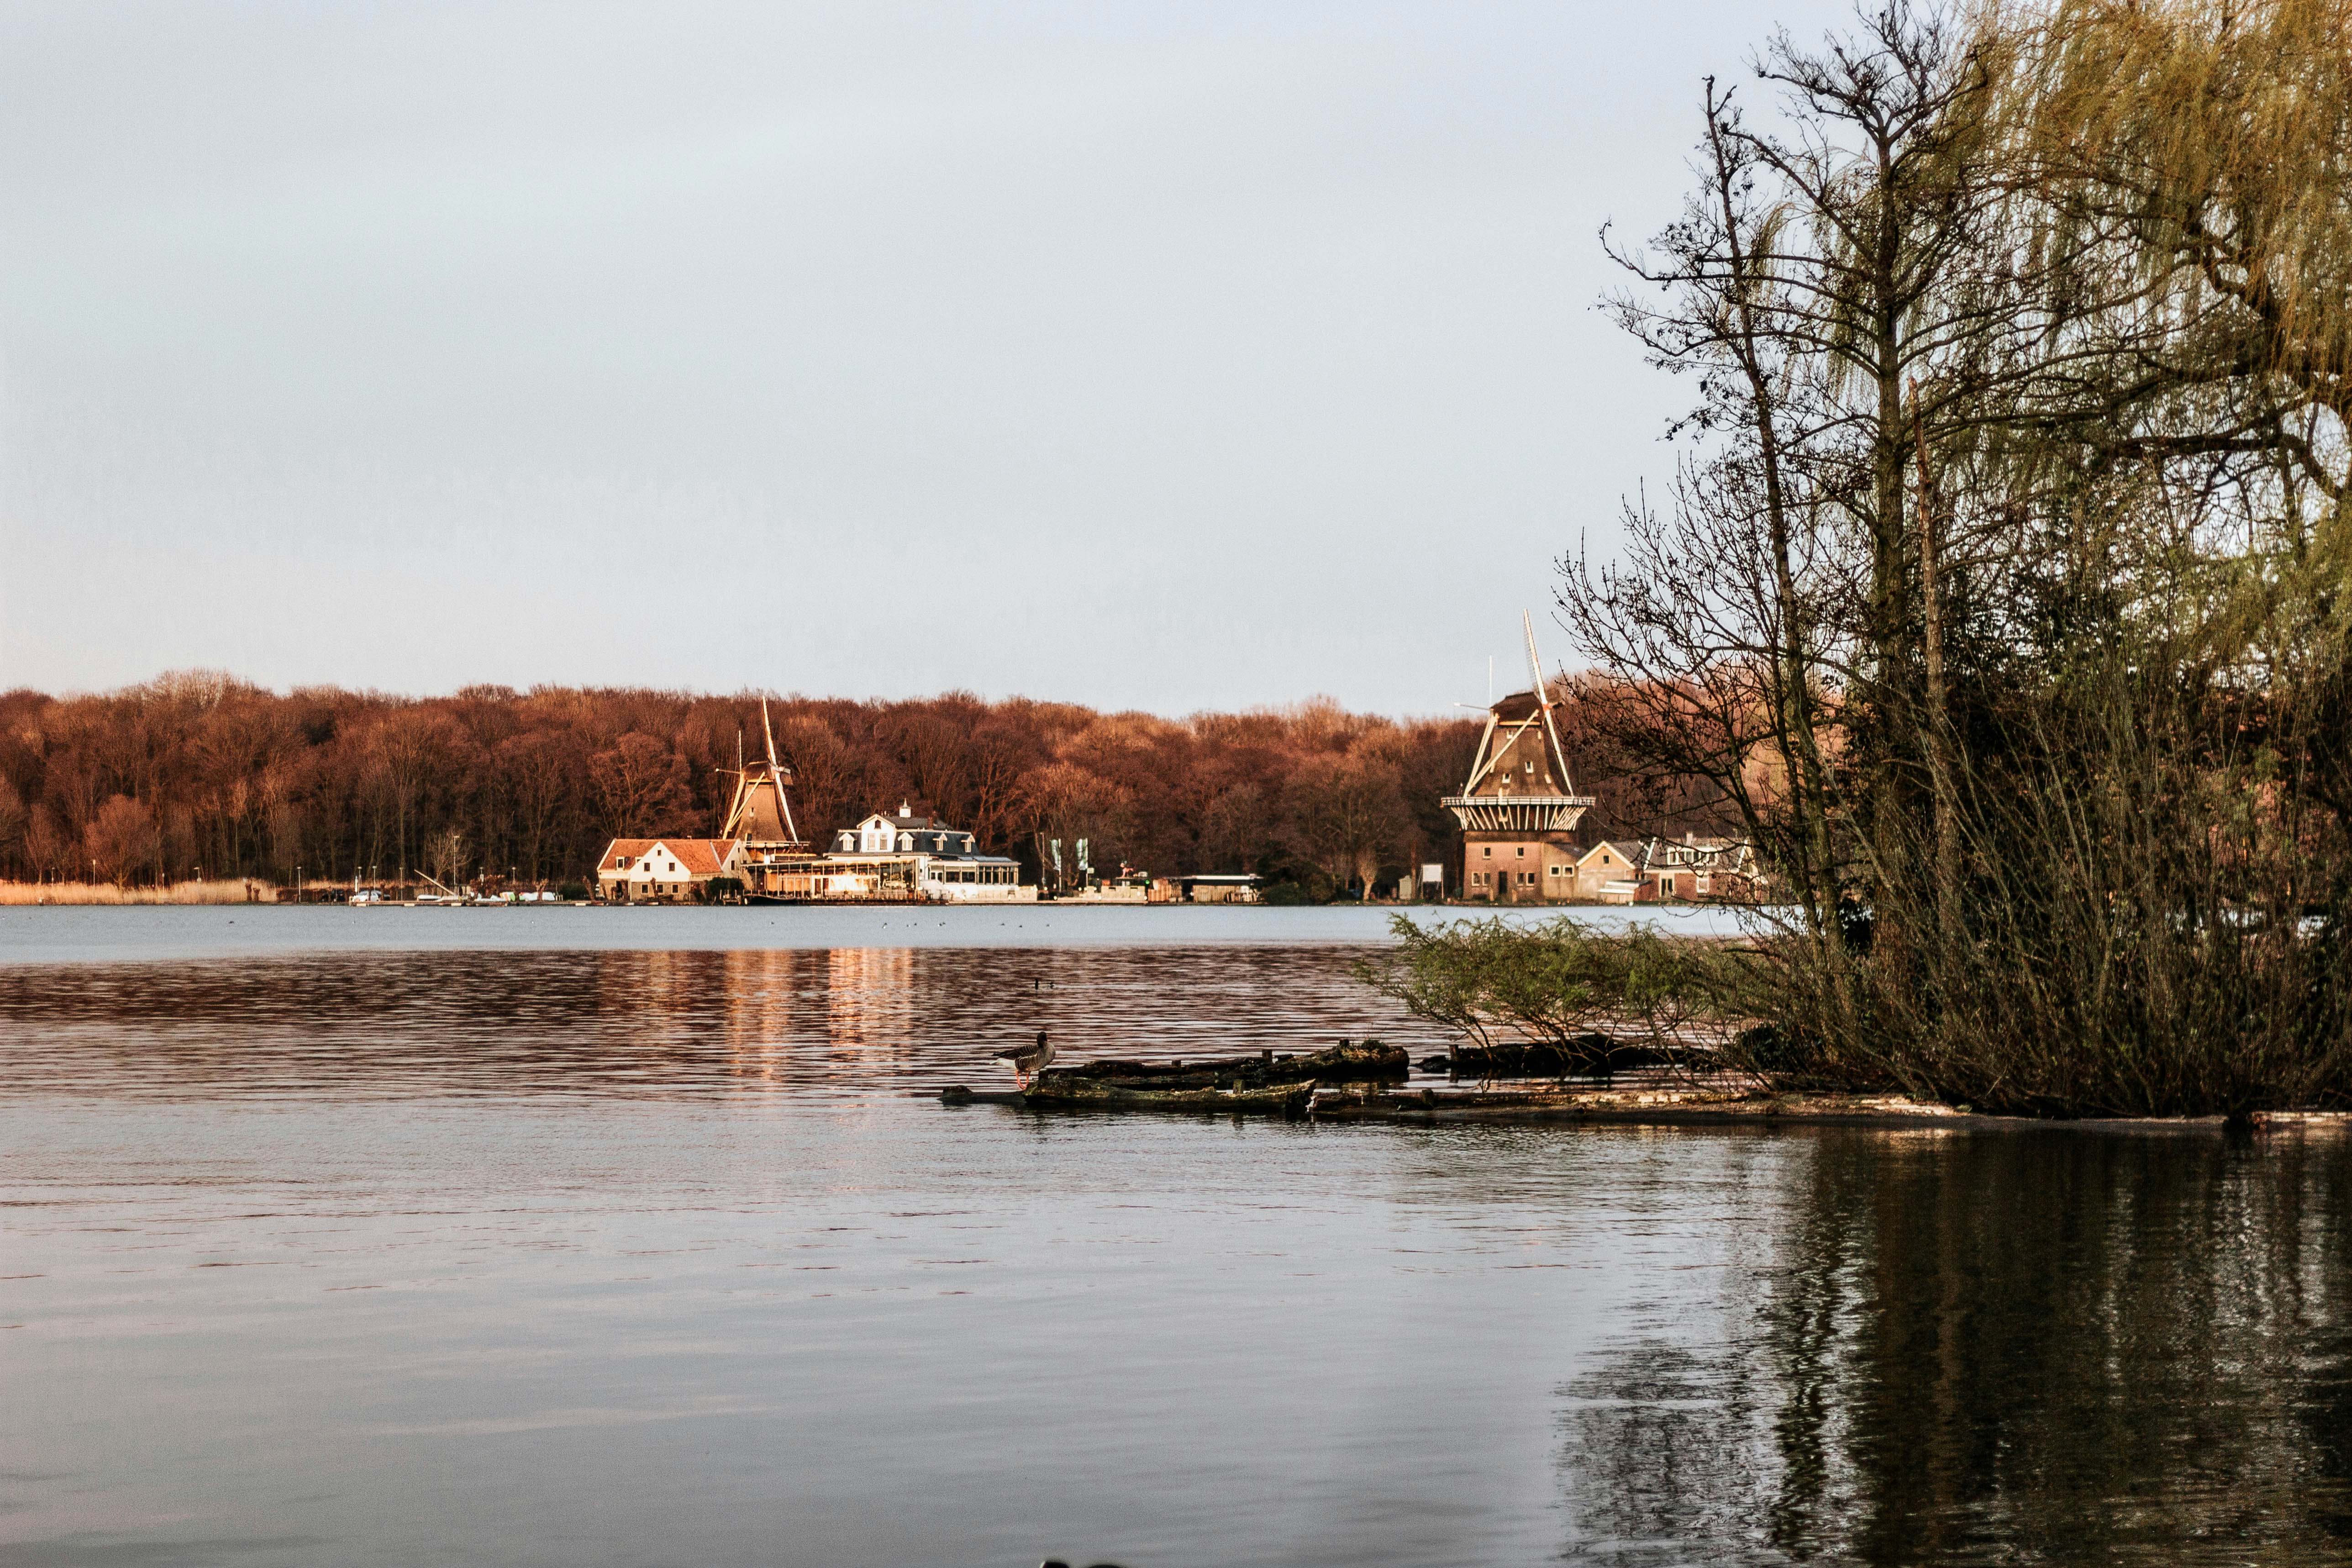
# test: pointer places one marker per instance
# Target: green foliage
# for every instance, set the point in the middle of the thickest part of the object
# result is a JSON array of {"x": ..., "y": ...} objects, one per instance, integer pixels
[
  {"x": 573, "y": 890},
  {"x": 1499, "y": 981}
]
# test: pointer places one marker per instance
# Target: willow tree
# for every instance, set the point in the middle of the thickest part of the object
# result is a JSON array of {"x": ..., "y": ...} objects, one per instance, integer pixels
[{"x": 1999, "y": 588}]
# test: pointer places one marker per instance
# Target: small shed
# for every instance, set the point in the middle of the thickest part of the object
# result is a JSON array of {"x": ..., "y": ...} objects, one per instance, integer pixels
[{"x": 1219, "y": 889}]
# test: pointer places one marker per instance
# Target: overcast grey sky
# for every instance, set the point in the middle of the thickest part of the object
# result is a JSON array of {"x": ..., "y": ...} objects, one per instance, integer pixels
[{"x": 1166, "y": 356}]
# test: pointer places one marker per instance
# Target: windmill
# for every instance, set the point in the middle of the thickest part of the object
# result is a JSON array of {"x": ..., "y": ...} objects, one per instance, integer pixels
[
  {"x": 761, "y": 813},
  {"x": 1519, "y": 803}
]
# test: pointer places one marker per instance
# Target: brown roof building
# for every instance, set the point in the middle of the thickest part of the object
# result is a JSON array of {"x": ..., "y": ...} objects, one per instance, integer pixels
[{"x": 664, "y": 870}]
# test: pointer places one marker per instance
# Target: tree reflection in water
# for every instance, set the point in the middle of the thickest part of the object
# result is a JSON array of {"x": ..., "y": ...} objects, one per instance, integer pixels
[{"x": 2062, "y": 1344}]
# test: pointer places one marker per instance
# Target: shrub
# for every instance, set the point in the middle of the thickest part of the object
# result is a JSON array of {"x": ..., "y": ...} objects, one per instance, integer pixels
[{"x": 1555, "y": 983}]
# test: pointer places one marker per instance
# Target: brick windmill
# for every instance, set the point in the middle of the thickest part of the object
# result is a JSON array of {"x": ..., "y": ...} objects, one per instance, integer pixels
[{"x": 1520, "y": 804}]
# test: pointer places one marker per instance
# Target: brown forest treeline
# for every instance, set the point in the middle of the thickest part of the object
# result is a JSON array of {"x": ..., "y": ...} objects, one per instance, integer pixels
[{"x": 197, "y": 773}]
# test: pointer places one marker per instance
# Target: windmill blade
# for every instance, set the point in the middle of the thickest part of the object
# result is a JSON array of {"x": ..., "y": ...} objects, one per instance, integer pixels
[
  {"x": 1478, "y": 762},
  {"x": 735, "y": 807},
  {"x": 776, "y": 774},
  {"x": 1543, "y": 702}
]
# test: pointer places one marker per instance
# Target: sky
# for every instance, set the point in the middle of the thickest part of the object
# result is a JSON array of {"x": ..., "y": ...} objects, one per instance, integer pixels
[{"x": 1174, "y": 357}]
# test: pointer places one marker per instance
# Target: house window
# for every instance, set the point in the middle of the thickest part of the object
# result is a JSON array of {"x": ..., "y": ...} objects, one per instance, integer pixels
[
  {"x": 1521, "y": 851},
  {"x": 1531, "y": 766},
  {"x": 1488, "y": 852}
]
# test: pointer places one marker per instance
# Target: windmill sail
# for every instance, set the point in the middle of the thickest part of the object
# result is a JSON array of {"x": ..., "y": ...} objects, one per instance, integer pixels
[
  {"x": 777, "y": 775},
  {"x": 1543, "y": 703}
]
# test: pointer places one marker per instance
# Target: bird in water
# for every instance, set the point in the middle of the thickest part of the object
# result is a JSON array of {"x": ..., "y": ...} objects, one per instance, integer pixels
[{"x": 1026, "y": 1061}]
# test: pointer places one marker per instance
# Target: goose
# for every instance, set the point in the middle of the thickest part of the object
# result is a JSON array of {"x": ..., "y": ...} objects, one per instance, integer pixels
[{"x": 1026, "y": 1060}]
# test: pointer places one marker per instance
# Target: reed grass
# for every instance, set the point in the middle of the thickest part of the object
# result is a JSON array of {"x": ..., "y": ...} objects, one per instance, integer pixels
[{"x": 190, "y": 892}]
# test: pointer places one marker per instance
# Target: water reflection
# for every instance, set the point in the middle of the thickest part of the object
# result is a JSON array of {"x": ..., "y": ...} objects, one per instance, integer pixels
[
  {"x": 621, "y": 1258},
  {"x": 2062, "y": 1345},
  {"x": 848, "y": 1021}
]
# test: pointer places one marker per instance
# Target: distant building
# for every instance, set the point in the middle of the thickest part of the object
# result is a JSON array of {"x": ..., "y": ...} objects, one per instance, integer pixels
[
  {"x": 901, "y": 833},
  {"x": 1691, "y": 868},
  {"x": 1610, "y": 873},
  {"x": 665, "y": 870},
  {"x": 893, "y": 857},
  {"x": 1218, "y": 887},
  {"x": 1518, "y": 808}
]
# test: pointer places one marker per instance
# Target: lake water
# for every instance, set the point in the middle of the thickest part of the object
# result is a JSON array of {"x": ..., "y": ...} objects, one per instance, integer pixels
[{"x": 630, "y": 1237}]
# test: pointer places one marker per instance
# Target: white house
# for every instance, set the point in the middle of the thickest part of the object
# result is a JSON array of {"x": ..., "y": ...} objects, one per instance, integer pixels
[
  {"x": 902, "y": 833},
  {"x": 923, "y": 854},
  {"x": 665, "y": 870}
]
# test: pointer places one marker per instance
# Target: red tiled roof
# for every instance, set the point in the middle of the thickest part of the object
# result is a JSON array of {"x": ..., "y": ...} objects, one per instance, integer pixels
[
  {"x": 695, "y": 857},
  {"x": 701, "y": 857},
  {"x": 630, "y": 848}
]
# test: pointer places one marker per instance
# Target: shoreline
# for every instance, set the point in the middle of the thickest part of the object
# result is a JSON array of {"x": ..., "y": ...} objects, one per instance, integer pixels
[
  {"x": 1658, "y": 1107},
  {"x": 220, "y": 891},
  {"x": 1647, "y": 1105}
]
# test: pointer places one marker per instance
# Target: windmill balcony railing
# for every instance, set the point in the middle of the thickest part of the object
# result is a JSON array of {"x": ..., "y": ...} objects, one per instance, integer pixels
[{"x": 1516, "y": 813}]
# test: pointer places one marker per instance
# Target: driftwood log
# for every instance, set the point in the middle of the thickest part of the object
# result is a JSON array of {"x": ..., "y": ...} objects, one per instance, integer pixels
[
  {"x": 1370, "y": 1062},
  {"x": 1262, "y": 1085},
  {"x": 1288, "y": 1100},
  {"x": 1580, "y": 1056}
]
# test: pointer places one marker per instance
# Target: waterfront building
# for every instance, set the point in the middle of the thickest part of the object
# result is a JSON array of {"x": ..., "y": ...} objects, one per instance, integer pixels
[
  {"x": 1208, "y": 888},
  {"x": 902, "y": 857},
  {"x": 1610, "y": 873},
  {"x": 1518, "y": 808},
  {"x": 665, "y": 870},
  {"x": 903, "y": 831},
  {"x": 1720, "y": 870}
]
